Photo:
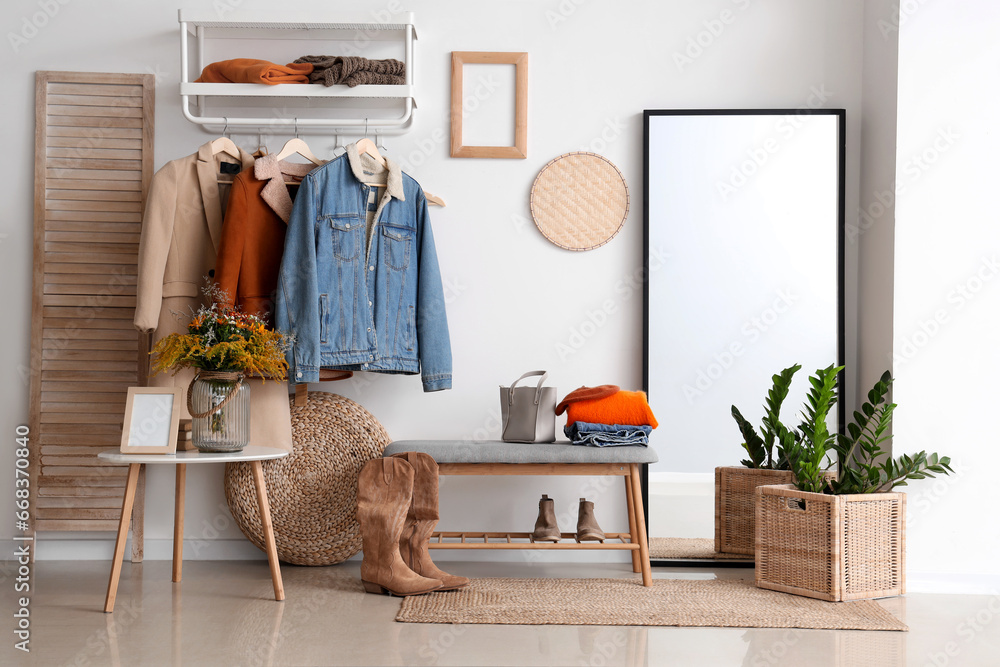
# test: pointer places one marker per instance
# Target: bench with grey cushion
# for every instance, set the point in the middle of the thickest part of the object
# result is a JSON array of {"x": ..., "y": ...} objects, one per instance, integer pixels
[{"x": 463, "y": 457}]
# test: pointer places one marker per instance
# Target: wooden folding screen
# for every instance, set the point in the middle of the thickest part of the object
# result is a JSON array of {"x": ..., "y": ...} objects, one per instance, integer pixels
[{"x": 93, "y": 164}]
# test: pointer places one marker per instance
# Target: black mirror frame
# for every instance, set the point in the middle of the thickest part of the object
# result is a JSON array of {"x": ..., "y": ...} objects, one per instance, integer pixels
[{"x": 841, "y": 115}]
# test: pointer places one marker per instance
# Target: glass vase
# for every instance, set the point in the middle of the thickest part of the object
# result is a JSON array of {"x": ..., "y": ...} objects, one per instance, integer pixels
[{"x": 226, "y": 426}]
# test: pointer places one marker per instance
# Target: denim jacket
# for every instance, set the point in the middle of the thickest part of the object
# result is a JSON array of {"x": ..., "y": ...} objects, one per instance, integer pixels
[{"x": 360, "y": 298}]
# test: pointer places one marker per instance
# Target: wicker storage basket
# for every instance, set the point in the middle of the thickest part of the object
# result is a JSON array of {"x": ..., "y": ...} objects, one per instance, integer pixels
[
  {"x": 735, "y": 502},
  {"x": 846, "y": 547}
]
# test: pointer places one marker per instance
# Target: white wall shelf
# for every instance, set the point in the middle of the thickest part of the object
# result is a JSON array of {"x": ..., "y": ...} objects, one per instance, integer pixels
[
  {"x": 294, "y": 90},
  {"x": 292, "y": 19},
  {"x": 286, "y": 26}
]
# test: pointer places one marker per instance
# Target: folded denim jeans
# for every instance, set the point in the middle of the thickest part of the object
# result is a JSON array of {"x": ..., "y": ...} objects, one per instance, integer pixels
[{"x": 607, "y": 435}]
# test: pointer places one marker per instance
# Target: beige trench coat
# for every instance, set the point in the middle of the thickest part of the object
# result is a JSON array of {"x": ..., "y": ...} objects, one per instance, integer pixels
[{"x": 180, "y": 237}]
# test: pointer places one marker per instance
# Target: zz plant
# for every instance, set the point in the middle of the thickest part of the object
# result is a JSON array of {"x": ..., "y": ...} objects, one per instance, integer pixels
[
  {"x": 807, "y": 455},
  {"x": 865, "y": 466},
  {"x": 761, "y": 449}
]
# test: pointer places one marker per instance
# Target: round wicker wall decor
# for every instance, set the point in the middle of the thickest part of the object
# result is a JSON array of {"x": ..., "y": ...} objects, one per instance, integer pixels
[
  {"x": 579, "y": 201},
  {"x": 313, "y": 492}
]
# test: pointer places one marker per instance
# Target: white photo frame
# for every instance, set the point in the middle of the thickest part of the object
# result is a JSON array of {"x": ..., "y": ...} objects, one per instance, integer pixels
[{"x": 152, "y": 417}]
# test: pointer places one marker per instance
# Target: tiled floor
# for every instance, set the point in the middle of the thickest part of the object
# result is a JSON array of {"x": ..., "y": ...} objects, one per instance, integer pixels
[{"x": 222, "y": 614}]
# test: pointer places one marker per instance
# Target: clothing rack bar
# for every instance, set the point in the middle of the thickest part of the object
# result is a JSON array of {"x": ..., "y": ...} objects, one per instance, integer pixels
[{"x": 390, "y": 126}]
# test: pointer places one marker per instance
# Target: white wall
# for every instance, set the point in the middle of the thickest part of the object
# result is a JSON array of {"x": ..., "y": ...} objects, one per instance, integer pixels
[
  {"x": 515, "y": 299},
  {"x": 947, "y": 285}
]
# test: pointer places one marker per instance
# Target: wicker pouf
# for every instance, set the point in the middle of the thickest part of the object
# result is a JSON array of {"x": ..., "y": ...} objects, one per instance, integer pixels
[{"x": 313, "y": 492}]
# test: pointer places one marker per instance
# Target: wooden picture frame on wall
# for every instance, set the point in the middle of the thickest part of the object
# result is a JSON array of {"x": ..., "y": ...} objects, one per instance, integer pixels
[
  {"x": 520, "y": 62},
  {"x": 152, "y": 417}
]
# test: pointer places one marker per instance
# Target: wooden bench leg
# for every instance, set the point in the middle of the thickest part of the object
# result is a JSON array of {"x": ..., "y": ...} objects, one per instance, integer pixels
[
  {"x": 636, "y": 565},
  {"x": 640, "y": 524}
]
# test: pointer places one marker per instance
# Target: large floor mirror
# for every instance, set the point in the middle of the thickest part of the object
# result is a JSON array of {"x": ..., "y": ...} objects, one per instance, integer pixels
[{"x": 744, "y": 242}]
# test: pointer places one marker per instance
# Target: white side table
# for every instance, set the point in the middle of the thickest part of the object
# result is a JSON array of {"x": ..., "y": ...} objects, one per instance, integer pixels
[{"x": 254, "y": 454}]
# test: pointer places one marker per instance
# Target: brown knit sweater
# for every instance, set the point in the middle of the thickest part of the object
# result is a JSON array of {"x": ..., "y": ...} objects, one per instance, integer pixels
[{"x": 354, "y": 70}]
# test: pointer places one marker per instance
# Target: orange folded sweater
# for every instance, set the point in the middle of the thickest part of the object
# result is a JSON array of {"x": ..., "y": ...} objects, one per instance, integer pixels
[
  {"x": 628, "y": 408},
  {"x": 248, "y": 70}
]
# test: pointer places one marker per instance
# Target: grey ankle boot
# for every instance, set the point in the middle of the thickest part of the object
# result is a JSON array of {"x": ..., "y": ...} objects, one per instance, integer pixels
[
  {"x": 586, "y": 525},
  {"x": 546, "y": 529}
]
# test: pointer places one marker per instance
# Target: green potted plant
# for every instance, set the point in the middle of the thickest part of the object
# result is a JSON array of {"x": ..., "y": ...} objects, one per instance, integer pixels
[
  {"x": 840, "y": 538},
  {"x": 735, "y": 486}
]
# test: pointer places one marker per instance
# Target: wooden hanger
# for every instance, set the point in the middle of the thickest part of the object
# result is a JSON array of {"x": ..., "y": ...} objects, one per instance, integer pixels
[
  {"x": 261, "y": 147},
  {"x": 296, "y": 145},
  {"x": 434, "y": 199},
  {"x": 368, "y": 146},
  {"x": 226, "y": 145}
]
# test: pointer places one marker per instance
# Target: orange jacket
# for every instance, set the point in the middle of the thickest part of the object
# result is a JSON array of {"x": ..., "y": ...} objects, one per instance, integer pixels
[{"x": 253, "y": 234}]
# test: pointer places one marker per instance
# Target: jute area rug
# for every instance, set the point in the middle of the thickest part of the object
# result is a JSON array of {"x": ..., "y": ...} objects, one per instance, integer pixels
[
  {"x": 690, "y": 548},
  {"x": 668, "y": 602}
]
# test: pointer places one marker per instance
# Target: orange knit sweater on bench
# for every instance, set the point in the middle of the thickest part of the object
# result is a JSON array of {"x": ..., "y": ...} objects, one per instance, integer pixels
[{"x": 627, "y": 408}]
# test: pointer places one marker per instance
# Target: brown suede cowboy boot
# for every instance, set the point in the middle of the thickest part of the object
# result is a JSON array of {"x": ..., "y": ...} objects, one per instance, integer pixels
[
  {"x": 385, "y": 487},
  {"x": 421, "y": 519}
]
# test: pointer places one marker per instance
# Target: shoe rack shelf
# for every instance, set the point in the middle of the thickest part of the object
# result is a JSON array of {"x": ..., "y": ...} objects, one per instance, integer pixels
[
  {"x": 468, "y": 540},
  {"x": 199, "y": 25},
  {"x": 633, "y": 541}
]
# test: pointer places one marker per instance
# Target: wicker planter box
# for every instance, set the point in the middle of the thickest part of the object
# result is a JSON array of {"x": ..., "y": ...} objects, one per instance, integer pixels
[
  {"x": 735, "y": 502},
  {"x": 846, "y": 547}
]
